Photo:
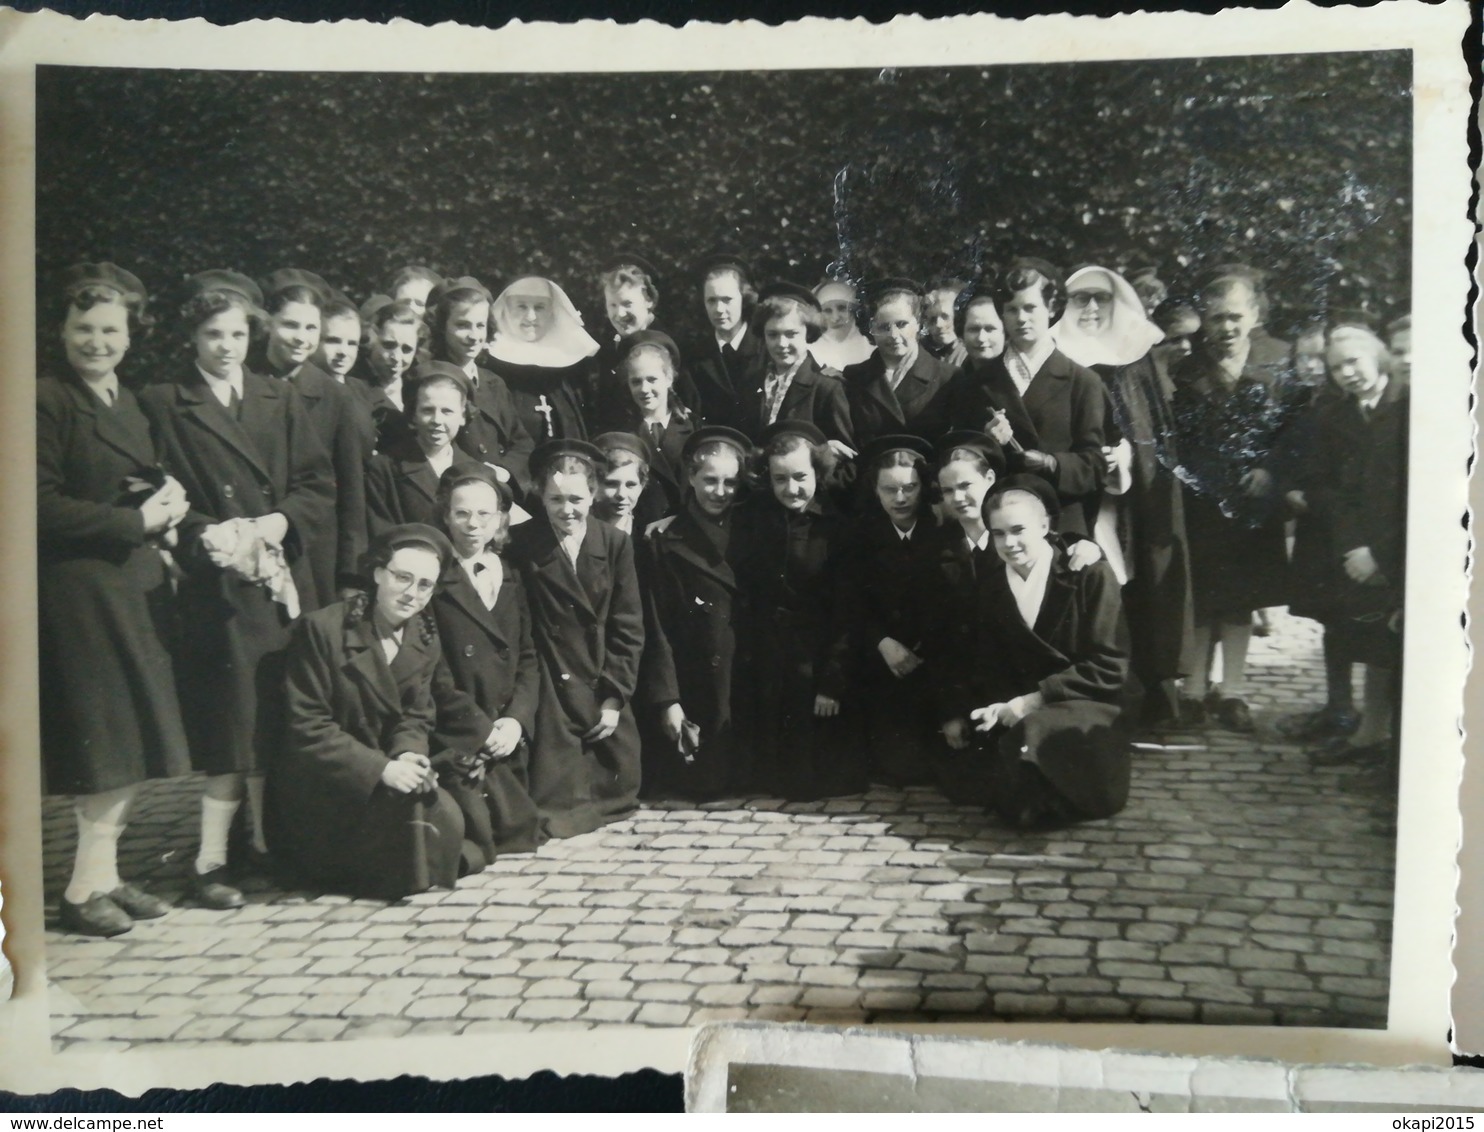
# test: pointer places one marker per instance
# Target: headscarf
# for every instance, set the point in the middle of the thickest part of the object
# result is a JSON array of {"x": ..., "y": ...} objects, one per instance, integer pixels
[
  {"x": 855, "y": 347},
  {"x": 1127, "y": 337},
  {"x": 566, "y": 343}
]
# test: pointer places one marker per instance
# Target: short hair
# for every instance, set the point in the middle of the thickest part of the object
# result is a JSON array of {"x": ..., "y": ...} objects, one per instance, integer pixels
[
  {"x": 1384, "y": 357},
  {"x": 340, "y": 308},
  {"x": 1224, "y": 286},
  {"x": 206, "y": 305},
  {"x": 399, "y": 311},
  {"x": 821, "y": 456},
  {"x": 648, "y": 348},
  {"x": 900, "y": 458},
  {"x": 567, "y": 465},
  {"x": 998, "y": 497},
  {"x": 96, "y": 294},
  {"x": 957, "y": 286},
  {"x": 294, "y": 293},
  {"x": 1172, "y": 310},
  {"x": 438, "y": 315},
  {"x": 1022, "y": 278},
  {"x": 1397, "y": 325},
  {"x": 629, "y": 275},
  {"x": 444, "y": 501},
  {"x": 744, "y": 285},
  {"x": 413, "y": 384},
  {"x": 781, "y": 306},
  {"x": 711, "y": 448},
  {"x": 974, "y": 456},
  {"x": 913, "y": 300},
  {"x": 411, "y": 274},
  {"x": 961, "y": 312},
  {"x": 616, "y": 458}
]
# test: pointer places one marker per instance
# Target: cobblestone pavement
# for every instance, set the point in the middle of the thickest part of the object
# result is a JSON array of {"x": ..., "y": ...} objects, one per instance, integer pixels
[{"x": 1240, "y": 886}]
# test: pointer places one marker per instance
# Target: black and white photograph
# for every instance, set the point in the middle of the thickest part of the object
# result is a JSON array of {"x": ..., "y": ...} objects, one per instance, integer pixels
[{"x": 524, "y": 551}]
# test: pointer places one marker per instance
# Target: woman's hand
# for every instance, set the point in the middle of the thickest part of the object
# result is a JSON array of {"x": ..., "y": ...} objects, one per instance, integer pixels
[
  {"x": 657, "y": 526},
  {"x": 842, "y": 450},
  {"x": 672, "y": 719},
  {"x": 1297, "y": 503},
  {"x": 407, "y": 773},
  {"x": 1000, "y": 427},
  {"x": 956, "y": 733},
  {"x": 1082, "y": 554},
  {"x": 826, "y": 706},
  {"x": 899, "y": 658},
  {"x": 274, "y": 528},
  {"x": 162, "y": 510},
  {"x": 1361, "y": 566},
  {"x": 503, "y": 738},
  {"x": 1037, "y": 461},
  {"x": 1017, "y": 709},
  {"x": 607, "y": 722},
  {"x": 988, "y": 718},
  {"x": 1258, "y": 482}
]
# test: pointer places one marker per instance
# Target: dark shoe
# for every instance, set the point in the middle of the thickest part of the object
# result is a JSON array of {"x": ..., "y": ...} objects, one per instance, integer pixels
[
  {"x": 97, "y": 915},
  {"x": 140, "y": 905},
  {"x": 1341, "y": 752},
  {"x": 1233, "y": 714},
  {"x": 1327, "y": 722},
  {"x": 210, "y": 890},
  {"x": 1192, "y": 712}
]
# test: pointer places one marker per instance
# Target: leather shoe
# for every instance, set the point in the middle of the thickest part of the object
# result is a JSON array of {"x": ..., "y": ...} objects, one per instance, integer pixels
[
  {"x": 1233, "y": 714},
  {"x": 97, "y": 915},
  {"x": 1192, "y": 712},
  {"x": 140, "y": 905},
  {"x": 210, "y": 889},
  {"x": 1325, "y": 723}
]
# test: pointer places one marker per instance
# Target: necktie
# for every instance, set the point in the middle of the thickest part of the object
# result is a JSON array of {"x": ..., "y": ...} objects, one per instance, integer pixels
[
  {"x": 1023, "y": 374},
  {"x": 110, "y": 396},
  {"x": 979, "y": 556},
  {"x": 656, "y": 433},
  {"x": 484, "y": 582},
  {"x": 234, "y": 402}
]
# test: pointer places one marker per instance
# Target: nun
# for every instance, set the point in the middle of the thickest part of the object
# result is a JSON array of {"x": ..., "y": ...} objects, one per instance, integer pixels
[
  {"x": 357, "y": 804},
  {"x": 841, "y": 344},
  {"x": 544, "y": 356},
  {"x": 1140, "y": 521}
]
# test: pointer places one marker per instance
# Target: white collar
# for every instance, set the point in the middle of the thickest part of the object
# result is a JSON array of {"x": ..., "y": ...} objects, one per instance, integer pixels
[
  {"x": 572, "y": 544},
  {"x": 735, "y": 340},
  {"x": 441, "y": 462},
  {"x": 105, "y": 388},
  {"x": 218, "y": 385},
  {"x": 1371, "y": 402},
  {"x": 904, "y": 535},
  {"x": 1029, "y": 592},
  {"x": 982, "y": 543},
  {"x": 1038, "y": 355}
]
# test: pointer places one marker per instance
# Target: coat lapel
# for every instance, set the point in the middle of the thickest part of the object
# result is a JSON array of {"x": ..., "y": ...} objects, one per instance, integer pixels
[
  {"x": 687, "y": 541},
  {"x": 551, "y": 562},
  {"x": 800, "y": 393},
  {"x": 593, "y": 566},
  {"x": 918, "y": 385},
  {"x": 1047, "y": 385},
  {"x": 1002, "y": 394},
  {"x": 114, "y": 428},
  {"x": 880, "y": 391},
  {"x": 419, "y": 473},
  {"x": 203, "y": 408},
  {"x": 366, "y": 664},
  {"x": 1060, "y": 589},
  {"x": 465, "y": 598}
]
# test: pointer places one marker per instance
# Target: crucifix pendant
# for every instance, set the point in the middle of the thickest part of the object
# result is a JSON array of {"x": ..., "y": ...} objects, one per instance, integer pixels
[{"x": 544, "y": 407}]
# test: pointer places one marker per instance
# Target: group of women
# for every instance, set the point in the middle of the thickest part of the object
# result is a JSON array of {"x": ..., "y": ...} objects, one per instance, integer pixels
[{"x": 438, "y": 577}]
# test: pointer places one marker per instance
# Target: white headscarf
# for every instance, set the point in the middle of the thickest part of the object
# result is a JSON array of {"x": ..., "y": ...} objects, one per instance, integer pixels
[
  {"x": 854, "y": 348},
  {"x": 1125, "y": 339},
  {"x": 565, "y": 343}
]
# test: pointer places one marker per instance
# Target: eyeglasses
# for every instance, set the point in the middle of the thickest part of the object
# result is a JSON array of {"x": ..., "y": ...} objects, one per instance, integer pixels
[
  {"x": 1082, "y": 298},
  {"x": 405, "y": 581}
]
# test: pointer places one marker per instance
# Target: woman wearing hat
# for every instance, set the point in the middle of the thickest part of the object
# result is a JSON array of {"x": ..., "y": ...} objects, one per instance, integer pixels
[
  {"x": 588, "y": 623},
  {"x": 356, "y": 799},
  {"x": 790, "y": 386},
  {"x": 1042, "y": 672},
  {"x": 259, "y": 481},
  {"x": 106, "y": 515},
  {"x": 685, "y": 685},
  {"x": 544, "y": 356},
  {"x": 1140, "y": 521},
  {"x": 295, "y": 301},
  {"x": 630, "y": 496},
  {"x": 402, "y": 480},
  {"x": 902, "y": 387},
  {"x": 719, "y": 363},
  {"x": 630, "y": 296},
  {"x": 485, "y": 627},
  {"x": 395, "y": 334},
  {"x": 791, "y": 562},
  {"x": 895, "y": 564},
  {"x": 458, "y": 328},
  {"x": 841, "y": 344},
  {"x": 648, "y": 365},
  {"x": 1054, "y": 407}
]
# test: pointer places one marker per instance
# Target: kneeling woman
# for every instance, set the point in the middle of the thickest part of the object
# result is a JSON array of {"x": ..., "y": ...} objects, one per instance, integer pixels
[
  {"x": 1046, "y": 682},
  {"x": 357, "y": 799},
  {"x": 588, "y": 623}
]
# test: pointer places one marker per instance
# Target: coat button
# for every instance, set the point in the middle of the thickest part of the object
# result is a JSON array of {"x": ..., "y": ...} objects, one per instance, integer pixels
[
  {"x": 468, "y": 650},
  {"x": 716, "y": 662},
  {"x": 267, "y": 490},
  {"x": 228, "y": 490},
  {"x": 502, "y": 650}
]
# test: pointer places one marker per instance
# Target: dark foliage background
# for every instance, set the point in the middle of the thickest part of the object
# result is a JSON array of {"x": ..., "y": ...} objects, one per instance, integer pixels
[{"x": 1299, "y": 163}]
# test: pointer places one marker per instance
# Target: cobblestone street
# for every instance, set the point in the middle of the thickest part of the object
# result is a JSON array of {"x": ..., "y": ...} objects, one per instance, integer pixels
[{"x": 1240, "y": 886}]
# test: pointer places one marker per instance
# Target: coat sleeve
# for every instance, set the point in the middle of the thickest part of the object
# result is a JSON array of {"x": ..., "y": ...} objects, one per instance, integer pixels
[
  {"x": 342, "y": 763},
  {"x": 1080, "y": 469},
  {"x": 309, "y": 502},
  {"x": 413, "y": 731},
  {"x": 832, "y": 410},
  {"x": 1099, "y": 665},
  {"x": 60, "y": 516},
  {"x": 527, "y": 692},
  {"x": 658, "y": 687},
  {"x": 383, "y": 506},
  {"x": 624, "y": 629},
  {"x": 461, "y": 727},
  {"x": 835, "y": 672},
  {"x": 352, "y": 449}
]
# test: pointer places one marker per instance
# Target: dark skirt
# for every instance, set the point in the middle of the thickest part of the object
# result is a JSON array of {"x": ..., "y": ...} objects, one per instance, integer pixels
[
  {"x": 499, "y": 815},
  {"x": 1236, "y": 566},
  {"x": 1071, "y": 758},
  {"x": 110, "y": 715},
  {"x": 899, "y": 724},
  {"x": 579, "y": 786}
]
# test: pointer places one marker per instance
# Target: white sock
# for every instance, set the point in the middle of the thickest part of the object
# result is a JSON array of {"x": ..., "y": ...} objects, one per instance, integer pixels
[
  {"x": 95, "y": 868},
  {"x": 216, "y": 823},
  {"x": 255, "y": 810}
]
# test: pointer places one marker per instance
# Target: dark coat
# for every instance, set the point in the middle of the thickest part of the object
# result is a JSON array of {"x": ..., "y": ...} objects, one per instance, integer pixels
[
  {"x": 110, "y": 714},
  {"x": 1354, "y": 480},
  {"x": 1238, "y": 559},
  {"x": 340, "y": 420},
  {"x": 689, "y": 653},
  {"x": 816, "y": 395},
  {"x": 1061, "y": 414},
  {"x": 667, "y": 472},
  {"x": 380, "y": 418},
  {"x": 1076, "y": 656},
  {"x": 495, "y": 433},
  {"x": 720, "y": 375},
  {"x": 492, "y": 658},
  {"x": 401, "y": 487},
  {"x": 918, "y": 406},
  {"x": 548, "y": 400},
  {"x": 895, "y": 582},
  {"x": 588, "y": 626},
  {"x": 793, "y": 622},
  {"x": 608, "y": 401},
  {"x": 1151, "y": 519},
  {"x": 335, "y": 823},
  {"x": 233, "y": 636}
]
